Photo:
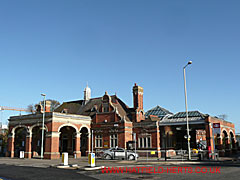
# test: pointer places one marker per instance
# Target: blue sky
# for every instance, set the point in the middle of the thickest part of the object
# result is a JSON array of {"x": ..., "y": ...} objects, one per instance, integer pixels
[{"x": 57, "y": 46}]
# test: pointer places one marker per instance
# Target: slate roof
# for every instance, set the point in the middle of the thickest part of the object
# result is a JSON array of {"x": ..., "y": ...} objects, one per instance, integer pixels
[
  {"x": 91, "y": 107},
  {"x": 190, "y": 114},
  {"x": 194, "y": 117},
  {"x": 157, "y": 111}
]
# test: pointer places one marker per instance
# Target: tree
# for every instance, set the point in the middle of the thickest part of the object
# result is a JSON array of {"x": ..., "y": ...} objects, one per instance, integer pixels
[
  {"x": 54, "y": 104},
  {"x": 3, "y": 139}
]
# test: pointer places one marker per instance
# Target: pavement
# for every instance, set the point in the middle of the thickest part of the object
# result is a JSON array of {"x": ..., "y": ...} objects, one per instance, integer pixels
[{"x": 83, "y": 162}]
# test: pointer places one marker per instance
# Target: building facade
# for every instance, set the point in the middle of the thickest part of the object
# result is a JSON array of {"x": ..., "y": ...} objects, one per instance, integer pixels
[
  {"x": 62, "y": 133},
  {"x": 78, "y": 127},
  {"x": 203, "y": 136}
]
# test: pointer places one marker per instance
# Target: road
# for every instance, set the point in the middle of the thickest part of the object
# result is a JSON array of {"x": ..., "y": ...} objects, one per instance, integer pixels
[
  {"x": 171, "y": 172},
  {"x": 32, "y": 173}
]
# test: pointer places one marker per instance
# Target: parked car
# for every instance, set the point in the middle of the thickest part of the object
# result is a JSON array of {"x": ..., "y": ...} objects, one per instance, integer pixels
[{"x": 119, "y": 153}]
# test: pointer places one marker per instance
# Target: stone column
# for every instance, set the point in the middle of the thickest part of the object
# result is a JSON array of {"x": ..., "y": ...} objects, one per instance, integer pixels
[
  {"x": 11, "y": 145},
  {"x": 28, "y": 147},
  {"x": 52, "y": 145},
  {"x": 77, "y": 145}
]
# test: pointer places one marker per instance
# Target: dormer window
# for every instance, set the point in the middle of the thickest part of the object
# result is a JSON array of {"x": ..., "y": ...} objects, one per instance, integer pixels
[
  {"x": 106, "y": 101},
  {"x": 105, "y": 108}
]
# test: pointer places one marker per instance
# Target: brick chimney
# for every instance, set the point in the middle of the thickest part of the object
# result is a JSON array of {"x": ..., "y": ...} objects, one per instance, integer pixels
[
  {"x": 138, "y": 103},
  {"x": 48, "y": 106},
  {"x": 137, "y": 97},
  {"x": 39, "y": 107}
]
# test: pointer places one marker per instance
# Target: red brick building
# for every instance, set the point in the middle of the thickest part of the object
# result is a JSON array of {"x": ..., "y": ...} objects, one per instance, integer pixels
[
  {"x": 173, "y": 128},
  {"x": 113, "y": 123},
  {"x": 112, "y": 119},
  {"x": 63, "y": 133}
]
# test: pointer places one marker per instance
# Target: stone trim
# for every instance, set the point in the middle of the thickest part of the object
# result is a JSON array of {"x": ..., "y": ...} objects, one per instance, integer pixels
[
  {"x": 47, "y": 153},
  {"x": 76, "y": 151},
  {"x": 78, "y": 135},
  {"x": 53, "y": 134}
]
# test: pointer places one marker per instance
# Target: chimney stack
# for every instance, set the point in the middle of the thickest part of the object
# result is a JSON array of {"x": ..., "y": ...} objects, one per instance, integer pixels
[
  {"x": 138, "y": 103},
  {"x": 39, "y": 107},
  {"x": 137, "y": 97}
]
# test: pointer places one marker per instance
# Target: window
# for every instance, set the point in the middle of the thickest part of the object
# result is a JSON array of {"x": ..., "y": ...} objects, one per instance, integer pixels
[
  {"x": 113, "y": 140},
  {"x": 144, "y": 142},
  {"x": 98, "y": 141},
  {"x": 105, "y": 108}
]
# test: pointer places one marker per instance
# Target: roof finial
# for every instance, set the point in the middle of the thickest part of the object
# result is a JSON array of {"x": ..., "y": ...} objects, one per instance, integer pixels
[{"x": 87, "y": 93}]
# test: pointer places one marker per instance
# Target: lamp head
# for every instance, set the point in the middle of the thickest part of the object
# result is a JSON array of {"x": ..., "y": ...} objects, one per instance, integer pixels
[
  {"x": 189, "y": 62},
  {"x": 43, "y": 94}
]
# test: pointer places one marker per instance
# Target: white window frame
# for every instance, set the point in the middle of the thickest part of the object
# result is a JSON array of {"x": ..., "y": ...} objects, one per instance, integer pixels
[
  {"x": 143, "y": 142},
  {"x": 114, "y": 138},
  {"x": 98, "y": 141}
]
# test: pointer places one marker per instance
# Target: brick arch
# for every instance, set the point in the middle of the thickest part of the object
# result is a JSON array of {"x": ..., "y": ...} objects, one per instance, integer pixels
[
  {"x": 230, "y": 131},
  {"x": 225, "y": 138},
  {"x": 18, "y": 126},
  {"x": 85, "y": 127},
  {"x": 225, "y": 131},
  {"x": 38, "y": 124},
  {"x": 141, "y": 111},
  {"x": 68, "y": 124}
]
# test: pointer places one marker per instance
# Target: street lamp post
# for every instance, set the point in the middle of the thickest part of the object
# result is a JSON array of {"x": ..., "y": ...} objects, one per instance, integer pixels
[
  {"x": 92, "y": 140},
  {"x": 185, "y": 91},
  {"x": 135, "y": 144},
  {"x": 44, "y": 105}
]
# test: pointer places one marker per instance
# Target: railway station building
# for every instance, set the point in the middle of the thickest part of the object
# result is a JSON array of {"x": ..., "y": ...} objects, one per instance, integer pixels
[{"x": 106, "y": 121}]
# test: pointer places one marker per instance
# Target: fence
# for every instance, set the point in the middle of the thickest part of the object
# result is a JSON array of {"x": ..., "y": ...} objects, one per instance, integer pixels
[
  {"x": 162, "y": 155},
  {"x": 165, "y": 155}
]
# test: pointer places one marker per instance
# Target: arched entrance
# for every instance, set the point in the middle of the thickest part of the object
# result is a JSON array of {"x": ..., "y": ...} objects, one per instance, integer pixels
[
  {"x": 84, "y": 141},
  {"x": 20, "y": 140},
  {"x": 232, "y": 141},
  {"x": 224, "y": 140},
  {"x": 37, "y": 141},
  {"x": 67, "y": 140}
]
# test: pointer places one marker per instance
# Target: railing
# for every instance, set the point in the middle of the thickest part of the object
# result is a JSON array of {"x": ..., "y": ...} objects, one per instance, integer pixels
[{"x": 171, "y": 155}]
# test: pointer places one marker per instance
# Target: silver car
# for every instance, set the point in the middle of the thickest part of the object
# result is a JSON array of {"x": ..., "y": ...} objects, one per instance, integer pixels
[{"x": 119, "y": 153}]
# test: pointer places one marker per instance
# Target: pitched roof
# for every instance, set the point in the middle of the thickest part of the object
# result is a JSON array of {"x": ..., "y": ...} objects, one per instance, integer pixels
[
  {"x": 92, "y": 106},
  {"x": 157, "y": 111},
  {"x": 72, "y": 107},
  {"x": 190, "y": 114},
  {"x": 180, "y": 118}
]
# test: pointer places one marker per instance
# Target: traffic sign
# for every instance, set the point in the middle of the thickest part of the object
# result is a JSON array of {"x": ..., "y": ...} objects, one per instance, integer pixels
[{"x": 216, "y": 128}]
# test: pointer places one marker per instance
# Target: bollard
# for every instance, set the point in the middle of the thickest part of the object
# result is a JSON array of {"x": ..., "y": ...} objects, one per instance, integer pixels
[
  {"x": 65, "y": 159},
  {"x": 21, "y": 154},
  {"x": 91, "y": 159}
]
